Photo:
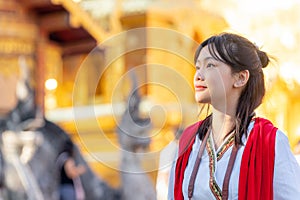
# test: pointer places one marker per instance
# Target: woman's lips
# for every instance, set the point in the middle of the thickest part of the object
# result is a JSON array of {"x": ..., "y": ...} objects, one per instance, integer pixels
[{"x": 200, "y": 88}]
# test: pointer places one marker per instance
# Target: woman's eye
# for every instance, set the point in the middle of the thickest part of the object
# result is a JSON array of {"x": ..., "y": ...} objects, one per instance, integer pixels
[{"x": 210, "y": 65}]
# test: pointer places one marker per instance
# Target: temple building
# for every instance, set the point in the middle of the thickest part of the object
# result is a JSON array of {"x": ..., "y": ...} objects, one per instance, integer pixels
[{"x": 80, "y": 54}]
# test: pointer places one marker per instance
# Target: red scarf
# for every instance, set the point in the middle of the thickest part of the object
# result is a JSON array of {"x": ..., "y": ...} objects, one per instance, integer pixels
[{"x": 257, "y": 167}]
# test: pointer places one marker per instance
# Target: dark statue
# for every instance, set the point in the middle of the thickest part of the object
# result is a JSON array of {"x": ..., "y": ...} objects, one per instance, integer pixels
[{"x": 30, "y": 145}]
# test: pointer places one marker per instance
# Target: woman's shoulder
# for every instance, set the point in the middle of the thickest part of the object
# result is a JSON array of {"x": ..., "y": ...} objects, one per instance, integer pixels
[
  {"x": 281, "y": 136},
  {"x": 263, "y": 121},
  {"x": 268, "y": 125},
  {"x": 188, "y": 135},
  {"x": 260, "y": 127},
  {"x": 282, "y": 142},
  {"x": 264, "y": 125},
  {"x": 190, "y": 131}
]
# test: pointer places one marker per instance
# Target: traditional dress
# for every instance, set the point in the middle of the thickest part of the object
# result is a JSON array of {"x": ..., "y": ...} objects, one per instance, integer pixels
[{"x": 274, "y": 174}]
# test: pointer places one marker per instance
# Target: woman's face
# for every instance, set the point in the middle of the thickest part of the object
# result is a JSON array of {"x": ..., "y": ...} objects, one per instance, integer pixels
[{"x": 213, "y": 80}]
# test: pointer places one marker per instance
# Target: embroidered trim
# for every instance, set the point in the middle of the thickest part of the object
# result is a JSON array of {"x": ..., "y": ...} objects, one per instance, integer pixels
[
  {"x": 212, "y": 182},
  {"x": 229, "y": 142}
]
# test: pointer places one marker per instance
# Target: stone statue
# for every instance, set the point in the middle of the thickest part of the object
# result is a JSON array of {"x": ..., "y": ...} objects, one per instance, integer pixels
[
  {"x": 30, "y": 146},
  {"x": 133, "y": 132}
]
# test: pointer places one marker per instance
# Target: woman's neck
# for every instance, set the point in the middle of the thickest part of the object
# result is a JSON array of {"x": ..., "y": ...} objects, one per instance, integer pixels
[{"x": 222, "y": 124}]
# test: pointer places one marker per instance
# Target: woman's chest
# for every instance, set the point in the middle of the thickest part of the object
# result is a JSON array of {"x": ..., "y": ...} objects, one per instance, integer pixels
[{"x": 210, "y": 175}]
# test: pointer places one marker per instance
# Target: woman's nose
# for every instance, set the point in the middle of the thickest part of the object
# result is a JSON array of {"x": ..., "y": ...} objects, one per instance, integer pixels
[{"x": 199, "y": 76}]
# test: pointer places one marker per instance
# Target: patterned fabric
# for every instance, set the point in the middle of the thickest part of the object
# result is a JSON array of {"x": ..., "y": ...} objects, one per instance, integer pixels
[
  {"x": 213, "y": 158},
  {"x": 264, "y": 132},
  {"x": 228, "y": 143}
]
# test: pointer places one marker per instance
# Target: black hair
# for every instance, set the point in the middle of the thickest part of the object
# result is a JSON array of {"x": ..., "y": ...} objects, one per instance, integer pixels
[{"x": 240, "y": 54}]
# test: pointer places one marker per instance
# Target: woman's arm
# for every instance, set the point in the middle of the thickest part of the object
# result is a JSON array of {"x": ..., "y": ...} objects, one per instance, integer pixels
[{"x": 286, "y": 170}]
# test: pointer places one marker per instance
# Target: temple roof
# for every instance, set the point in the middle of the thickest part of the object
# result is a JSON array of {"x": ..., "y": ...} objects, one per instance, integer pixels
[{"x": 58, "y": 24}]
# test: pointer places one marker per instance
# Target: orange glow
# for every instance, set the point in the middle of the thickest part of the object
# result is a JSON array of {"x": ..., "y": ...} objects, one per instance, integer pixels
[{"x": 51, "y": 84}]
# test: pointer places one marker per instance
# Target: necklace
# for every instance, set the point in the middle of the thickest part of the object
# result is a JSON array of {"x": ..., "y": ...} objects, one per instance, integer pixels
[{"x": 227, "y": 174}]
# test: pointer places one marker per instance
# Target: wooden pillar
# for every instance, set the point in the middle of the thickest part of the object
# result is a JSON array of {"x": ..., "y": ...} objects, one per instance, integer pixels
[{"x": 40, "y": 72}]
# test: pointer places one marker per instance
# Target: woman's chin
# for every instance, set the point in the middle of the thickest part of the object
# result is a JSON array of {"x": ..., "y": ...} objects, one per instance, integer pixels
[{"x": 202, "y": 100}]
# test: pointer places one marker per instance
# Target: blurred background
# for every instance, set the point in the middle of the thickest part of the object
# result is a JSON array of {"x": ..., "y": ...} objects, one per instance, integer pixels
[{"x": 59, "y": 38}]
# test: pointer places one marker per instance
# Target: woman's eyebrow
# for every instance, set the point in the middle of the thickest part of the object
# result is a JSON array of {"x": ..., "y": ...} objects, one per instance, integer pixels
[{"x": 205, "y": 59}]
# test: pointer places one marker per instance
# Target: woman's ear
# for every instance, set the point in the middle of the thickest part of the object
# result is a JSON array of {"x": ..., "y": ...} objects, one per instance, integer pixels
[{"x": 241, "y": 78}]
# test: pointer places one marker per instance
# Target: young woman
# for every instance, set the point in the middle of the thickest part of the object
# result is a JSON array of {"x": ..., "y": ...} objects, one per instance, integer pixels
[{"x": 232, "y": 154}]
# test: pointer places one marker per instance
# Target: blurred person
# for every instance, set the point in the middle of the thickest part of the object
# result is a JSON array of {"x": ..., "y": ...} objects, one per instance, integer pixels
[
  {"x": 232, "y": 153},
  {"x": 11, "y": 86},
  {"x": 20, "y": 116},
  {"x": 18, "y": 110},
  {"x": 70, "y": 185}
]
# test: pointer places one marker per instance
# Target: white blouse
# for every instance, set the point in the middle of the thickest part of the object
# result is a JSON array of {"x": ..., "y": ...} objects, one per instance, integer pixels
[{"x": 211, "y": 173}]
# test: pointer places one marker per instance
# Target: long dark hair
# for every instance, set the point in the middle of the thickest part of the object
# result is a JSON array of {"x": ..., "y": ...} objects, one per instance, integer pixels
[{"x": 240, "y": 54}]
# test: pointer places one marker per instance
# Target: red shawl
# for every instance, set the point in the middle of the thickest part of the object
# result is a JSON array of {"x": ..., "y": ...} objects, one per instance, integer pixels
[{"x": 257, "y": 167}]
